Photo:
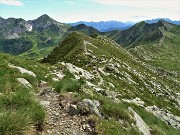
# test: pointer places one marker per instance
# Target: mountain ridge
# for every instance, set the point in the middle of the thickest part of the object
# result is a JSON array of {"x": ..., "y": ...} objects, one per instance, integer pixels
[
  {"x": 89, "y": 84},
  {"x": 105, "y": 26},
  {"x": 42, "y": 33},
  {"x": 141, "y": 31}
]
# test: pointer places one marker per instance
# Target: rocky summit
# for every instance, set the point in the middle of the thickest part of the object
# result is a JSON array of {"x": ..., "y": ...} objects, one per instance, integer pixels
[{"x": 63, "y": 80}]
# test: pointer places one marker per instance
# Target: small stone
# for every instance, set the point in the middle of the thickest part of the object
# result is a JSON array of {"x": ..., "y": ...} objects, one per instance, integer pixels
[
  {"x": 73, "y": 110},
  {"x": 44, "y": 103},
  {"x": 42, "y": 84},
  {"x": 49, "y": 132}
]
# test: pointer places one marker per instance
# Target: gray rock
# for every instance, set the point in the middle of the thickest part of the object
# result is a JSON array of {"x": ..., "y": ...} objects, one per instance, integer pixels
[
  {"x": 111, "y": 94},
  {"x": 42, "y": 84},
  {"x": 22, "y": 70},
  {"x": 44, "y": 103},
  {"x": 89, "y": 106},
  {"x": 73, "y": 110},
  {"x": 87, "y": 128},
  {"x": 110, "y": 67},
  {"x": 111, "y": 85},
  {"x": 141, "y": 125},
  {"x": 79, "y": 72},
  {"x": 24, "y": 82},
  {"x": 165, "y": 116},
  {"x": 136, "y": 101}
]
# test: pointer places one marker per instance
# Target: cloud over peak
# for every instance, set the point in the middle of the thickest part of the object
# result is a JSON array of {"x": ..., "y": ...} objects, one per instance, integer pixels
[{"x": 11, "y": 2}]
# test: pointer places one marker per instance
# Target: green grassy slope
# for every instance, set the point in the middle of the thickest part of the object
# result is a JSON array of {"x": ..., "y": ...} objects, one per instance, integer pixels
[
  {"x": 20, "y": 112},
  {"x": 157, "y": 44},
  {"x": 165, "y": 53},
  {"x": 130, "y": 77},
  {"x": 140, "y": 33}
]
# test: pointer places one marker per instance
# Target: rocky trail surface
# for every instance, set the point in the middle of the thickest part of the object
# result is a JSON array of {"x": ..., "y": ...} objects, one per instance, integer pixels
[{"x": 58, "y": 121}]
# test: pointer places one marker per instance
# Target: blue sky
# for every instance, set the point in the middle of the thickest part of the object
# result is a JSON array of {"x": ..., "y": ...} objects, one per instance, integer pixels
[{"x": 91, "y": 10}]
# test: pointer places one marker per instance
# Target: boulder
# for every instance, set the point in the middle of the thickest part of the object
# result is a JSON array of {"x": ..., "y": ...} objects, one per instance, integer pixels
[
  {"x": 141, "y": 125},
  {"x": 24, "y": 82},
  {"x": 165, "y": 116},
  {"x": 90, "y": 106},
  {"x": 79, "y": 72},
  {"x": 22, "y": 70}
]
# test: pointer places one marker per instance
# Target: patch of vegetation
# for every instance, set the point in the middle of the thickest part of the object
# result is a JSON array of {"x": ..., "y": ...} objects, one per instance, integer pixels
[
  {"x": 70, "y": 50},
  {"x": 15, "y": 46},
  {"x": 109, "y": 127},
  {"x": 112, "y": 127},
  {"x": 69, "y": 83},
  {"x": 116, "y": 110},
  {"x": 15, "y": 123},
  {"x": 20, "y": 112}
]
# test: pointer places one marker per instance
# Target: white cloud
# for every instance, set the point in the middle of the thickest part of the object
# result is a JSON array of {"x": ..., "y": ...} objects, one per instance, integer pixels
[
  {"x": 11, "y": 2},
  {"x": 166, "y": 4},
  {"x": 69, "y": 2}
]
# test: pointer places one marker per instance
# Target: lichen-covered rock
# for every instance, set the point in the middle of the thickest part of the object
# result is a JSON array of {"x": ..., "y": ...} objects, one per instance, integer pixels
[
  {"x": 24, "y": 82},
  {"x": 90, "y": 106},
  {"x": 165, "y": 116},
  {"x": 23, "y": 70},
  {"x": 78, "y": 72},
  {"x": 141, "y": 125}
]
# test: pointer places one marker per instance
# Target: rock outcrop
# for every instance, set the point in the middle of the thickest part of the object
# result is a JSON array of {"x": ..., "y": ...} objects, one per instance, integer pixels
[
  {"x": 165, "y": 116},
  {"x": 141, "y": 125},
  {"x": 23, "y": 70}
]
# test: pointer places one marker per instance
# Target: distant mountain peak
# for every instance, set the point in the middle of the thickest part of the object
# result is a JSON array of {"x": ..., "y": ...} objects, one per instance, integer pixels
[
  {"x": 45, "y": 17},
  {"x": 81, "y": 25},
  {"x": 163, "y": 23},
  {"x": 141, "y": 33},
  {"x": 140, "y": 23},
  {"x": 88, "y": 30}
]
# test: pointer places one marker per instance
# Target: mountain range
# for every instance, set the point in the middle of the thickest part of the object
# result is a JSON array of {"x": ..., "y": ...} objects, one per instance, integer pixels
[
  {"x": 62, "y": 79},
  {"x": 30, "y": 37},
  {"x": 106, "y": 26}
]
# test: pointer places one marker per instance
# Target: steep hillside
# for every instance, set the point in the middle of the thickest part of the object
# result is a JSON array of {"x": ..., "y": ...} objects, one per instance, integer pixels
[
  {"x": 157, "y": 44},
  {"x": 12, "y": 28},
  {"x": 33, "y": 38},
  {"x": 90, "y": 85},
  {"x": 119, "y": 81},
  {"x": 46, "y": 23},
  {"x": 141, "y": 33},
  {"x": 164, "y": 53}
]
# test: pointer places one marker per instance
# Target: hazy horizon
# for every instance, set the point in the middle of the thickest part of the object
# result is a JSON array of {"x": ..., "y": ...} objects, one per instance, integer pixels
[{"x": 69, "y": 11}]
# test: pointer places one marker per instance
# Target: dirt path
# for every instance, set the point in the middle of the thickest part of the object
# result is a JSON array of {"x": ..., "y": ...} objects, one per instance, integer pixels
[{"x": 58, "y": 121}]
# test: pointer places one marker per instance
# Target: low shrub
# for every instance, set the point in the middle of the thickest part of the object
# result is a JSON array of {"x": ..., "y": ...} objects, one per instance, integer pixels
[{"x": 15, "y": 123}]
